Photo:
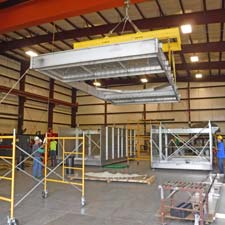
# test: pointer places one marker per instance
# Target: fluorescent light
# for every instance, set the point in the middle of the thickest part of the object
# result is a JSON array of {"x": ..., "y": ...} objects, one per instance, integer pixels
[
  {"x": 97, "y": 83},
  {"x": 194, "y": 58},
  {"x": 186, "y": 29},
  {"x": 144, "y": 80},
  {"x": 198, "y": 75},
  {"x": 31, "y": 53}
]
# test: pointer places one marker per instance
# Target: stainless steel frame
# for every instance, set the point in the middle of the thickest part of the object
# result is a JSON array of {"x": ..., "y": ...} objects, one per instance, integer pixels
[
  {"x": 135, "y": 58},
  {"x": 125, "y": 59},
  {"x": 182, "y": 148},
  {"x": 104, "y": 146}
]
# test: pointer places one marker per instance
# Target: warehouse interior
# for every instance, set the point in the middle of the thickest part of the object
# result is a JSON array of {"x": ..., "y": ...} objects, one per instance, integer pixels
[{"x": 133, "y": 94}]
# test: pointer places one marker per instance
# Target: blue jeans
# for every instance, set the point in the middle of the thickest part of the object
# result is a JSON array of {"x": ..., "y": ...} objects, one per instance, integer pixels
[
  {"x": 53, "y": 158},
  {"x": 220, "y": 165},
  {"x": 37, "y": 167}
]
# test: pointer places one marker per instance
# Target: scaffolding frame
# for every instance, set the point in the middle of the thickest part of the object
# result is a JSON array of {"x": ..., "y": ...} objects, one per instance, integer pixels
[
  {"x": 65, "y": 156},
  {"x": 11, "y": 218},
  {"x": 140, "y": 139},
  {"x": 167, "y": 154}
]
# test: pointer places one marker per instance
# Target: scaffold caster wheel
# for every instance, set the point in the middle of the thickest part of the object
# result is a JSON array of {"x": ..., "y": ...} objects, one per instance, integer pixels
[
  {"x": 44, "y": 194},
  {"x": 197, "y": 219},
  {"x": 83, "y": 202},
  {"x": 12, "y": 221}
]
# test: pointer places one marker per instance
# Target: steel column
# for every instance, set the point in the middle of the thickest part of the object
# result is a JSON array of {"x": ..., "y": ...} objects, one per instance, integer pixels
[
  {"x": 113, "y": 145},
  {"x": 105, "y": 113},
  {"x": 50, "y": 104},
  {"x": 22, "y": 99},
  {"x": 210, "y": 143},
  {"x": 118, "y": 143},
  {"x": 106, "y": 143},
  {"x": 166, "y": 146},
  {"x": 74, "y": 108},
  {"x": 160, "y": 143},
  {"x": 189, "y": 105}
]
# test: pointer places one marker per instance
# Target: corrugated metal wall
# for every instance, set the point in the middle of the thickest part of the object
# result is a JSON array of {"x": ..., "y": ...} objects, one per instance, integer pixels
[
  {"x": 36, "y": 112},
  {"x": 207, "y": 102}
]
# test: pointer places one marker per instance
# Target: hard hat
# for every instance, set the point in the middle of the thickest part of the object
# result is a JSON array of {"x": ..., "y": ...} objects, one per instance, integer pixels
[
  {"x": 36, "y": 138},
  {"x": 219, "y": 137}
]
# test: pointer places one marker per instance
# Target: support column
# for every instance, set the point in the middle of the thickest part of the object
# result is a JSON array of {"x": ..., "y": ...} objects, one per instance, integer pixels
[
  {"x": 145, "y": 127},
  {"x": 50, "y": 104},
  {"x": 74, "y": 108},
  {"x": 145, "y": 118},
  {"x": 105, "y": 114},
  {"x": 22, "y": 99},
  {"x": 189, "y": 104}
]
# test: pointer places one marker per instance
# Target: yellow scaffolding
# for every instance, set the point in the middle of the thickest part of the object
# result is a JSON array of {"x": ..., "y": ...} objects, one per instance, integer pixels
[
  {"x": 140, "y": 140},
  {"x": 11, "y": 218},
  {"x": 65, "y": 155}
]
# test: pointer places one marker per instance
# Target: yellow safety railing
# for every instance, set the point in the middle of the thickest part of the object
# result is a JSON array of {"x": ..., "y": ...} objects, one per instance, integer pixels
[
  {"x": 12, "y": 178},
  {"x": 140, "y": 138},
  {"x": 65, "y": 155}
]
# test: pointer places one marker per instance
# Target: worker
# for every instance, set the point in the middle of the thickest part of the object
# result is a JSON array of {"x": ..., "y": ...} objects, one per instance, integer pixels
[
  {"x": 177, "y": 141},
  {"x": 220, "y": 154},
  {"x": 37, "y": 167},
  {"x": 52, "y": 149}
]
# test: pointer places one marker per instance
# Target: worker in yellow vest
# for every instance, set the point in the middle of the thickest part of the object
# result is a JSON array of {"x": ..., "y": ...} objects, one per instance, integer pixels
[{"x": 52, "y": 149}]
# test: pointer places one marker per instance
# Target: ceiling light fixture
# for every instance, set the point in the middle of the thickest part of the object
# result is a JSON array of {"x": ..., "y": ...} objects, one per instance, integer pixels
[
  {"x": 198, "y": 75},
  {"x": 144, "y": 80},
  {"x": 194, "y": 58},
  {"x": 186, "y": 29},
  {"x": 96, "y": 83},
  {"x": 31, "y": 53}
]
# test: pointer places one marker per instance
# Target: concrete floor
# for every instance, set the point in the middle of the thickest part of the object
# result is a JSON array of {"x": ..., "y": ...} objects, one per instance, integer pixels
[{"x": 107, "y": 203}]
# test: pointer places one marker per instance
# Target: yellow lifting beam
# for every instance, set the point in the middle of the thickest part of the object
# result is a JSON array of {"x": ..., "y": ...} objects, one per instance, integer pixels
[{"x": 170, "y": 39}]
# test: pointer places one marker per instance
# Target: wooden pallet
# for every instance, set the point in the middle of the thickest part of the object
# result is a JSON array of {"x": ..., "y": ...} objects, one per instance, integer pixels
[
  {"x": 5, "y": 167},
  {"x": 141, "y": 180}
]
